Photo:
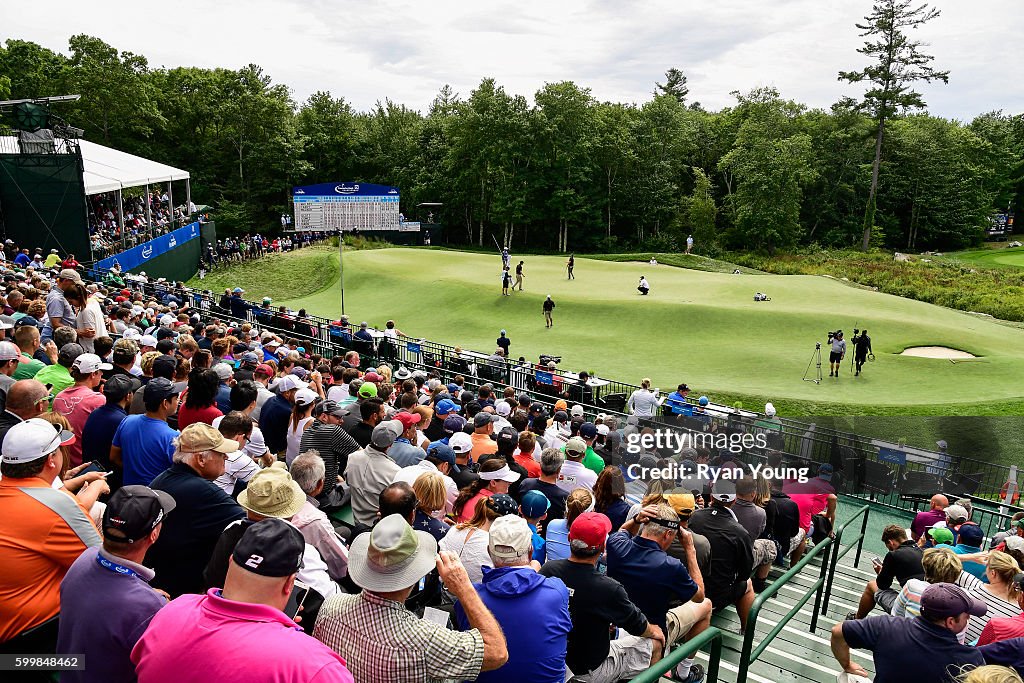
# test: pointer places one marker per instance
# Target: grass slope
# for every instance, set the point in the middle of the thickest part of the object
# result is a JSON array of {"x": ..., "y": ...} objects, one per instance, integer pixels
[
  {"x": 698, "y": 327},
  {"x": 280, "y": 276},
  {"x": 1005, "y": 257}
]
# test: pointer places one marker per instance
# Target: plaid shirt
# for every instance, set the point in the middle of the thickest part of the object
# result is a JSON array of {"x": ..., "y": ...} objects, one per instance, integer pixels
[{"x": 383, "y": 642}]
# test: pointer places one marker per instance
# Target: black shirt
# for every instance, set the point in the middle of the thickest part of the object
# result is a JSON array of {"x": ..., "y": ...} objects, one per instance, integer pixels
[
  {"x": 334, "y": 445},
  {"x": 732, "y": 553},
  {"x": 435, "y": 430},
  {"x": 901, "y": 564},
  {"x": 596, "y": 601},
  {"x": 504, "y": 343},
  {"x": 549, "y": 304},
  {"x": 188, "y": 537},
  {"x": 782, "y": 518},
  {"x": 464, "y": 477},
  {"x": 361, "y": 433}
]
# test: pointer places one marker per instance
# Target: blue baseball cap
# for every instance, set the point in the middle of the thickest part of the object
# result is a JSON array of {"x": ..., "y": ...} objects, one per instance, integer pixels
[
  {"x": 445, "y": 406},
  {"x": 588, "y": 430},
  {"x": 453, "y": 388},
  {"x": 534, "y": 504},
  {"x": 454, "y": 423},
  {"x": 237, "y": 290},
  {"x": 444, "y": 452}
]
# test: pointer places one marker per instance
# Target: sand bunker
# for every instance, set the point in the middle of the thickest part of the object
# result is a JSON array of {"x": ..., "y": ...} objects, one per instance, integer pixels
[{"x": 936, "y": 352}]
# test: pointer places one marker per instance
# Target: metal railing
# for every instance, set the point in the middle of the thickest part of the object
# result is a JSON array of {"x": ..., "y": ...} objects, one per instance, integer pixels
[
  {"x": 750, "y": 654},
  {"x": 838, "y": 552},
  {"x": 862, "y": 469},
  {"x": 711, "y": 636}
]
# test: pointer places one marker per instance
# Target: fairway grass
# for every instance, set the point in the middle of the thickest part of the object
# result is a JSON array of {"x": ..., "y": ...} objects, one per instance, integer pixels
[
  {"x": 996, "y": 257},
  {"x": 699, "y": 327}
]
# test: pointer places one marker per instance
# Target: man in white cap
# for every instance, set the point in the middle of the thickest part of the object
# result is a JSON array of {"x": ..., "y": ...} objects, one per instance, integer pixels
[
  {"x": 371, "y": 470},
  {"x": 573, "y": 474},
  {"x": 78, "y": 401},
  {"x": 381, "y": 640},
  {"x": 45, "y": 530},
  {"x": 10, "y": 357},
  {"x": 516, "y": 594}
]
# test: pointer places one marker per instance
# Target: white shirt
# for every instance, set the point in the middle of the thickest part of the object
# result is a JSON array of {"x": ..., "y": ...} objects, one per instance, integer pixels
[
  {"x": 256, "y": 446},
  {"x": 643, "y": 402},
  {"x": 555, "y": 437},
  {"x": 574, "y": 475},
  {"x": 472, "y": 554},
  {"x": 262, "y": 396},
  {"x": 411, "y": 473},
  {"x": 237, "y": 467},
  {"x": 295, "y": 437}
]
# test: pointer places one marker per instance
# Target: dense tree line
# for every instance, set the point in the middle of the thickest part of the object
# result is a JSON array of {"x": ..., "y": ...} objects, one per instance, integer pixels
[{"x": 564, "y": 171}]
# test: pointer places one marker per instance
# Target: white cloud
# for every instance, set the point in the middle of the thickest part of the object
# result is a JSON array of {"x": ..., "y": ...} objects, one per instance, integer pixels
[{"x": 368, "y": 51}]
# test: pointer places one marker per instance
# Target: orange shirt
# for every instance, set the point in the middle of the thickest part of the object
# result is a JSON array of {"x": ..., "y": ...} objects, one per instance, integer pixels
[
  {"x": 44, "y": 531},
  {"x": 483, "y": 444},
  {"x": 531, "y": 466}
]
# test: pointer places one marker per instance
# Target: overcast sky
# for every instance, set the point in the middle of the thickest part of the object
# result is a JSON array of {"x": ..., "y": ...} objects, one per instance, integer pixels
[{"x": 368, "y": 51}]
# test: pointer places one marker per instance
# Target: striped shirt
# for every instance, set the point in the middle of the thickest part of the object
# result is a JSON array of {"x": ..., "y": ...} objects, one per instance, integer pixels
[
  {"x": 997, "y": 608},
  {"x": 334, "y": 445},
  {"x": 908, "y": 602},
  {"x": 383, "y": 641}
]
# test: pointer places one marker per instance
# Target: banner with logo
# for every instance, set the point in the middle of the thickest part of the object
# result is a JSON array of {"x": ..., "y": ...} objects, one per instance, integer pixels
[{"x": 137, "y": 256}]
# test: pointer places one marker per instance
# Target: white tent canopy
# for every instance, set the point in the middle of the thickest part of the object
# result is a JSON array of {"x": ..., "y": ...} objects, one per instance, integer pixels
[{"x": 109, "y": 170}]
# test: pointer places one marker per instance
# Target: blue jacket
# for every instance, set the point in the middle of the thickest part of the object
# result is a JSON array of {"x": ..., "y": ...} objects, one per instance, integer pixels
[{"x": 534, "y": 614}]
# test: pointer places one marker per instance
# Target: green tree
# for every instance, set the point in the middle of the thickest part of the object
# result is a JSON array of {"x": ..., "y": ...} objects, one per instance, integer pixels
[
  {"x": 700, "y": 210},
  {"x": 897, "y": 63},
  {"x": 674, "y": 85},
  {"x": 769, "y": 162},
  {"x": 330, "y": 136},
  {"x": 614, "y": 153},
  {"x": 32, "y": 70},
  {"x": 118, "y": 100}
]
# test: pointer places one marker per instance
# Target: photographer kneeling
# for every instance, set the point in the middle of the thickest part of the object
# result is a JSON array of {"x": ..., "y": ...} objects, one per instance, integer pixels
[{"x": 835, "y": 357}]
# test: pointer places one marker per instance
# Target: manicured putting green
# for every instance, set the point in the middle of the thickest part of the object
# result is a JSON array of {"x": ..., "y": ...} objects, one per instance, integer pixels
[
  {"x": 696, "y": 327},
  {"x": 997, "y": 256}
]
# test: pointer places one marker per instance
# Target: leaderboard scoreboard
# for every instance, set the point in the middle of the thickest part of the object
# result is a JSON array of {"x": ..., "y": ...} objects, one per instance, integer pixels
[{"x": 346, "y": 206}]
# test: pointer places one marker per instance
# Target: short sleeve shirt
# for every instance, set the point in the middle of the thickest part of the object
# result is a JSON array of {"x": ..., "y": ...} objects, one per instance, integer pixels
[{"x": 383, "y": 641}]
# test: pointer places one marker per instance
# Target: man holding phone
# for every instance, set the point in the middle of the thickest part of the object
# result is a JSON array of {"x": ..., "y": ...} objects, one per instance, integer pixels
[{"x": 249, "y": 609}]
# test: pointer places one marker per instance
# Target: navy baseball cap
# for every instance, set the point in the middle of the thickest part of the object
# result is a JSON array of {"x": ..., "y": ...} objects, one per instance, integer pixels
[
  {"x": 271, "y": 547},
  {"x": 588, "y": 430},
  {"x": 443, "y": 452},
  {"x": 454, "y": 423},
  {"x": 971, "y": 534}
]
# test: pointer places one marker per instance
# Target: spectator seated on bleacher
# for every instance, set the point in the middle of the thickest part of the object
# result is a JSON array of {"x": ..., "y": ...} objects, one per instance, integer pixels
[
  {"x": 927, "y": 518},
  {"x": 901, "y": 563},
  {"x": 926, "y": 645}
]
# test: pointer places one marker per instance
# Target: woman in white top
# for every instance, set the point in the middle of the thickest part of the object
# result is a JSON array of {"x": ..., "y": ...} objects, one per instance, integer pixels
[
  {"x": 392, "y": 332},
  {"x": 300, "y": 420},
  {"x": 999, "y": 594},
  {"x": 469, "y": 539},
  {"x": 643, "y": 402}
]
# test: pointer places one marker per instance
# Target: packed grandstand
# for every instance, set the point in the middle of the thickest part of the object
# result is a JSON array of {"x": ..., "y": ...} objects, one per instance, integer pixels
[{"x": 200, "y": 487}]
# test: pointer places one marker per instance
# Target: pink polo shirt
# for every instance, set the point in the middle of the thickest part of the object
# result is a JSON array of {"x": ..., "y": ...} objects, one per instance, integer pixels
[
  {"x": 202, "y": 638},
  {"x": 76, "y": 403}
]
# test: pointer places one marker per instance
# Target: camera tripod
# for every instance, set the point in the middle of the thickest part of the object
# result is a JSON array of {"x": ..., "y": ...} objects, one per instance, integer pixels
[{"x": 816, "y": 362}]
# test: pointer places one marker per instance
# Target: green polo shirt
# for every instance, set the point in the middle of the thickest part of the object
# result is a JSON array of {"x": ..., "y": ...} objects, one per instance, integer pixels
[
  {"x": 28, "y": 367},
  {"x": 57, "y": 376}
]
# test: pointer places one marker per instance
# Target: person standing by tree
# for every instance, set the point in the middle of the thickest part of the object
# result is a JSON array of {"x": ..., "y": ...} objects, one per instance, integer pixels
[
  {"x": 569, "y": 265},
  {"x": 689, "y": 244},
  {"x": 549, "y": 306},
  {"x": 898, "y": 63}
]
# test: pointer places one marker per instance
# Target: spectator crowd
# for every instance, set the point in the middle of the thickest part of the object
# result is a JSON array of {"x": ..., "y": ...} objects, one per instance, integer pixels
[{"x": 186, "y": 496}]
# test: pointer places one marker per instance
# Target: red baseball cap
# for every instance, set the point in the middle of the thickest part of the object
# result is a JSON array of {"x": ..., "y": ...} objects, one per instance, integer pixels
[
  {"x": 407, "y": 419},
  {"x": 592, "y": 528},
  {"x": 372, "y": 376},
  {"x": 264, "y": 369}
]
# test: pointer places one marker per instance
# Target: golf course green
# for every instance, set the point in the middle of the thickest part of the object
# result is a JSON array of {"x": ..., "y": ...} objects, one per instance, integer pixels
[
  {"x": 999, "y": 256},
  {"x": 702, "y": 328}
]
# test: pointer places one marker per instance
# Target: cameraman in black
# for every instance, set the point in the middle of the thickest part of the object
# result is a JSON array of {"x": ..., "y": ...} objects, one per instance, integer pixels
[
  {"x": 838, "y": 352},
  {"x": 861, "y": 348}
]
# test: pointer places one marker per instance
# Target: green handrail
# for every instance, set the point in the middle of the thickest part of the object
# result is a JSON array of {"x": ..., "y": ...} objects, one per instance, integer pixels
[
  {"x": 838, "y": 553},
  {"x": 669, "y": 662},
  {"x": 750, "y": 654}
]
